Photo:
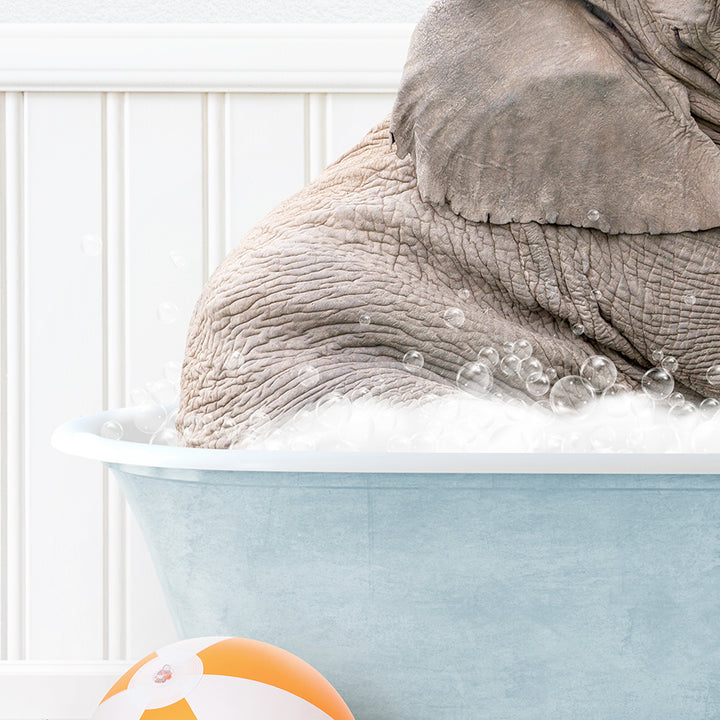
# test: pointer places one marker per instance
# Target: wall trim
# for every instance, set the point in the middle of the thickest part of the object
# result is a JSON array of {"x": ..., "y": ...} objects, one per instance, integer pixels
[
  {"x": 320, "y": 57},
  {"x": 55, "y": 690}
]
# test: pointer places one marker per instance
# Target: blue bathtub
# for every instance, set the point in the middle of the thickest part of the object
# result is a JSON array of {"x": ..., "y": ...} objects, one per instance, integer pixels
[{"x": 445, "y": 586}]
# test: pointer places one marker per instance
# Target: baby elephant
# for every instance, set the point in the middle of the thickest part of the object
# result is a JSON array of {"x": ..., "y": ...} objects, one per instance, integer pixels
[{"x": 549, "y": 173}]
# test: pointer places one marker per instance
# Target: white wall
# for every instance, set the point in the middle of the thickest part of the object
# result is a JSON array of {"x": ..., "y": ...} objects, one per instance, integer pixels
[
  {"x": 214, "y": 11},
  {"x": 101, "y": 137}
]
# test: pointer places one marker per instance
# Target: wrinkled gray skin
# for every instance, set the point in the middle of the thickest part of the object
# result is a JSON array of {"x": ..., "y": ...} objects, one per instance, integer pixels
[{"x": 513, "y": 122}]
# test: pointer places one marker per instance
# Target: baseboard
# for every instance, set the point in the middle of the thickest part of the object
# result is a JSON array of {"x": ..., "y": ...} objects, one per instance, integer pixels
[{"x": 55, "y": 690}]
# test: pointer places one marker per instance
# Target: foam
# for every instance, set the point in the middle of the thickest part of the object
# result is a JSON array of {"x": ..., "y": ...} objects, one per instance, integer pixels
[{"x": 627, "y": 423}]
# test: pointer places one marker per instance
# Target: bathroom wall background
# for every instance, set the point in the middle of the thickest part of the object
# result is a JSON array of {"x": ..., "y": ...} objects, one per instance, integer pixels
[
  {"x": 131, "y": 159},
  {"x": 212, "y": 11}
]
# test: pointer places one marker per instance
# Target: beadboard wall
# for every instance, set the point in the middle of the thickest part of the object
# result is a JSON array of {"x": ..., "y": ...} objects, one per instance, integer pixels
[{"x": 132, "y": 158}]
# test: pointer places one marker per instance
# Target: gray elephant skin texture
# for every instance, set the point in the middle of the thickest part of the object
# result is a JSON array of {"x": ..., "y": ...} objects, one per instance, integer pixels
[{"x": 550, "y": 169}]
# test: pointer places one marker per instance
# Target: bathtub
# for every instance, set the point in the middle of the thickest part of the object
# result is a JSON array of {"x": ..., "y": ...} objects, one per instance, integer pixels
[{"x": 445, "y": 586}]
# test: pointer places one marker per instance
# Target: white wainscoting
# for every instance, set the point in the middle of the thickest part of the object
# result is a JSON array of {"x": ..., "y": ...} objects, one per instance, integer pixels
[{"x": 131, "y": 159}]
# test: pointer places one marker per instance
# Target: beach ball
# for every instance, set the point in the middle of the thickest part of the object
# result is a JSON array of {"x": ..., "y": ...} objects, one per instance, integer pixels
[{"x": 222, "y": 678}]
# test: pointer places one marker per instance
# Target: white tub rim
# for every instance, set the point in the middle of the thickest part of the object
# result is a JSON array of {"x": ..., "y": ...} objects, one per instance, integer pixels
[{"x": 81, "y": 437}]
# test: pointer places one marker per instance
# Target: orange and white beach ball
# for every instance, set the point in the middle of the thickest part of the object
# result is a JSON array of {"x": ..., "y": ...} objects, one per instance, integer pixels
[{"x": 221, "y": 678}]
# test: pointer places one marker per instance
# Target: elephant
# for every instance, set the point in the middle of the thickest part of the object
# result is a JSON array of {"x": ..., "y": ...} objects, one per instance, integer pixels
[{"x": 549, "y": 174}]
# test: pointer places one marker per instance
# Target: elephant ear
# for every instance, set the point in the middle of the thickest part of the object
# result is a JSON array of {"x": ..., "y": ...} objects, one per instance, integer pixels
[{"x": 537, "y": 110}]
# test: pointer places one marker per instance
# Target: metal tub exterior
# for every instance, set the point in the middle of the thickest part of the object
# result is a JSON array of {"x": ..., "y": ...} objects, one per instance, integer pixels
[{"x": 446, "y": 593}]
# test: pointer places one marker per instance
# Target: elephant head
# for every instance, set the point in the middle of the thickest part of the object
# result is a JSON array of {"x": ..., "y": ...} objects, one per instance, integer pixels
[{"x": 553, "y": 177}]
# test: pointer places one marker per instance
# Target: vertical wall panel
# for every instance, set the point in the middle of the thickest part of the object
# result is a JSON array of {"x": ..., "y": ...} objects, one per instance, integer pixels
[
  {"x": 316, "y": 148},
  {"x": 350, "y": 116},
  {"x": 267, "y": 155},
  {"x": 13, "y": 611},
  {"x": 165, "y": 231},
  {"x": 114, "y": 511},
  {"x": 215, "y": 167},
  {"x": 64, "y": 362},
  {"x": 3, "y": 382}
]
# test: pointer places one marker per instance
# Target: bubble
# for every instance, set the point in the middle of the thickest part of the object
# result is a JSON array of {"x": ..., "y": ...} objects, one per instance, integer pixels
[
  {"x": 489, "y": 355},
  {"x": 618, "y": 390},
  {"x": 463, "y": 293},
  {"x": 578, "y": 328},
  {"x": 112, "y": 430},
  {"x": 551, "y": 373},
  {"x": 600, "y": 372},
  {"x": 537, "y": 384},
  {"x": 657, "y": 356},
  {"x": 670, "y": 364},
  {"x": 593, "y": 215},
  {"x": 688, "y": 299},
  {"x": 571, "y": 394},
  {"x": 529, "y": 366},
  {"x": 234, "y": 361},
  {"x": 163, "y": 392},
  {"x": 140, "y": 396},
  {"x": 167, "y": 312},
  {"x": 474, "y": 378},
  {"x": 413, "y": 360},
  {"x": 657, "y": 383},
  {"x": 179, "y": 260},
  {"x": 309, "y": 376},
  {"x": 510, "y": 365},
  {"x": 675, "y": 398},
  {"x": 149, "y": 418},
  {"x": 172, "y": 371},
  {"x": 522, "y": 348},
  {"x": 683, "y": 409},
  {"x": 165, "y": 436},
  {"x": 91, "y": 245},
  {"x": 709, "y": 407},
  {"x": 454, "y": 317},
  {"x": 542, "y": 405},
  {"x": 364, "y": 319},
  {"x": 713, "y": 375}
]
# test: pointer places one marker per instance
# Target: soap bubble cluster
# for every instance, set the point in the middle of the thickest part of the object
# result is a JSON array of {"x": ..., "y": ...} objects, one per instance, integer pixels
[
  {"x": 460, "y": 422},
  {"x": 588, "y": 411},
  {"x": 154, "y": 414}
]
